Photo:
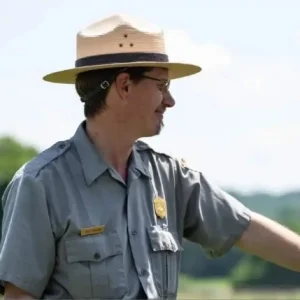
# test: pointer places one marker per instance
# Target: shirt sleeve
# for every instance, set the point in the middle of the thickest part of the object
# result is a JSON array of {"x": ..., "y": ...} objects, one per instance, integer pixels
[
  {"x": 27, "y": 249},
  {"x": 213, "y": 218}
]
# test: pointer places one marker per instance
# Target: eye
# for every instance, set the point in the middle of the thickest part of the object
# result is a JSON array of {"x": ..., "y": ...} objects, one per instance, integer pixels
[{"x": 164, "y": 85}]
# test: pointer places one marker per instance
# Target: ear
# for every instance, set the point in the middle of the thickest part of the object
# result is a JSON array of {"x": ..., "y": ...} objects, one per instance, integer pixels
[{"x": 123, "y": 83}]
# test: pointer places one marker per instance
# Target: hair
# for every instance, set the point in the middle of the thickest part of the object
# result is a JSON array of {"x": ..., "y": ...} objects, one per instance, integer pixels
[{"x": 88, "y": 86}]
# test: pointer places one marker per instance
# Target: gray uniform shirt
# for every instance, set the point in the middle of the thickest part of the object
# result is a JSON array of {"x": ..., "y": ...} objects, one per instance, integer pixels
[{"x": 72, "y": 228}]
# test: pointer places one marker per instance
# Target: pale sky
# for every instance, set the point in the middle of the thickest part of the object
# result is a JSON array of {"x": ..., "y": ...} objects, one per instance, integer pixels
[{"x": 237, "y": 121}]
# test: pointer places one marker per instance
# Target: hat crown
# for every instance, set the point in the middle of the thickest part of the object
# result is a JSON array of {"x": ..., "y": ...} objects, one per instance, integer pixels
[
  {"x": 114, "y": 22},
  {"x": 119, "y": 34},
  {"x": 120, "y": 41}
]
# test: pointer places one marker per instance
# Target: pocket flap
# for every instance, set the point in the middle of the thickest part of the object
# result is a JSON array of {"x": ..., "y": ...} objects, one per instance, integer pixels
[
  {"x": 162, "y": 239},
  {"x": 93, "y": 248}
]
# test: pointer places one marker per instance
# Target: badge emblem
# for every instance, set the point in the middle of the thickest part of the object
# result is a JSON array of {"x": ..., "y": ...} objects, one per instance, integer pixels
[{"x": 160, "y": 207}]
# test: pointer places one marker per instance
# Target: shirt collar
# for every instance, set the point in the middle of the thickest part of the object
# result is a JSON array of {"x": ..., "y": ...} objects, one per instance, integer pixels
[
  {"x": 93, "y": 163},
  {"x": 138, "y": 163}
]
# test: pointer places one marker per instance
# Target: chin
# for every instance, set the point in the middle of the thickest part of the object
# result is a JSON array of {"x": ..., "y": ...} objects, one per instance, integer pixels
[
  {"x": 153, "y": 131},
  {"x": 158, "y": 129}
]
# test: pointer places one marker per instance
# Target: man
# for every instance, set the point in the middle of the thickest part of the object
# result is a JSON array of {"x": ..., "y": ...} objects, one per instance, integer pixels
[{"x": 102, "y": 215}]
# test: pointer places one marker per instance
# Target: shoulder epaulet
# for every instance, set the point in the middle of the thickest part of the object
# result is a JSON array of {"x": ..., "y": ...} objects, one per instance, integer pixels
[
  {"x": 184, "y": 165},
  {"x": 35, "y": 165},
  {"x": 142, "y": 146},
  {"x": 179, "y": 162}
]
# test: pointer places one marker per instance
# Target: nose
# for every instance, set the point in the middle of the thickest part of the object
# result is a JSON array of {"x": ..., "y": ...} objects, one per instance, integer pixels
[{"x": 168, "y": 99}]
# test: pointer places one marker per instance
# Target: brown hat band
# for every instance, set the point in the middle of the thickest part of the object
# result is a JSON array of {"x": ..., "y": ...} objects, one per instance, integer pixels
[{"x": 117, "y": 58}]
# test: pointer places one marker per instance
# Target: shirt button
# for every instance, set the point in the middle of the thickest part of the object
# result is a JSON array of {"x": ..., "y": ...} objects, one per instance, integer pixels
[
  {"x": 96, "y": 255},
  {"x": 133, "y": 232},
  {"x": 143, "y": 272}
]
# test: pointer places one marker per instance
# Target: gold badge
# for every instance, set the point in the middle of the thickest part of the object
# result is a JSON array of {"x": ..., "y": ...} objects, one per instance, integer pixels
[
  {"x": 160, "y": 207},
  {"x": 92, "y": 230}
]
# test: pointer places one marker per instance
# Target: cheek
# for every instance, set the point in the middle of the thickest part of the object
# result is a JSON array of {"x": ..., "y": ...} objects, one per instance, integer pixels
[
  {"x": 145, "y": 105},
  {"x": 138, "y": 110},
  {"x": 154, "y": 99},
  {"x": 143, "y": 110},
  {"x": 150, "y": 105}
]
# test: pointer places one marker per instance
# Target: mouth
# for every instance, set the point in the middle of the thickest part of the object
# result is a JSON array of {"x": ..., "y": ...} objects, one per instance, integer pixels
[
  {"x": 160, "y": 111},
  {"x": 159, "y": 114}
]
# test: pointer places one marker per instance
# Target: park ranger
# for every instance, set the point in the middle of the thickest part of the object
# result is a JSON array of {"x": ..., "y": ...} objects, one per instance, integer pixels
[{"x": 102, "y": 215}]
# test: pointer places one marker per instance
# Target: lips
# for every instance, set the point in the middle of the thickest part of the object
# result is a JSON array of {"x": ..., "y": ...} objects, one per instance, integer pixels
[
  {"x": 159, "y": 115},
  {"x": 160, "y": 111}
]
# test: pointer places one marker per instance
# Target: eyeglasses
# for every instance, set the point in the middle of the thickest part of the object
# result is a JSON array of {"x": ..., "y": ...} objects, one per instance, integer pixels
[{"x": 163, "y": 85}]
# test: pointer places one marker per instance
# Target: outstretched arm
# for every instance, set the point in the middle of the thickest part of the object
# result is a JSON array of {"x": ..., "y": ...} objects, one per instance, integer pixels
[
  {"x": 218, "y": 221},
  {"x": 271, "y": 241}
]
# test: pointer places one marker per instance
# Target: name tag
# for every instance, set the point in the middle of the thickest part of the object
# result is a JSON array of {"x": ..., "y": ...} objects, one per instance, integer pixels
[{"x": 92, "y": 230}]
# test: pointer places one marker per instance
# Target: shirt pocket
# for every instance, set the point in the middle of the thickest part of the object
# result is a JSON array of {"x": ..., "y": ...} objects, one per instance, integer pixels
[
  {"x": 165, "y": 259},
  {"x": 95, "y": 266}
]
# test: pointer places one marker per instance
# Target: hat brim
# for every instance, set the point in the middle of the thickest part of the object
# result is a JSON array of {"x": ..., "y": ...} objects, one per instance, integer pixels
[{"x": 176, "y": 70}]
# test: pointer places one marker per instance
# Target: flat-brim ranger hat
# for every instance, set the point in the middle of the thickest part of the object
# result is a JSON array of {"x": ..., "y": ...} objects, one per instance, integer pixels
[{"x": 121, "y": 41}]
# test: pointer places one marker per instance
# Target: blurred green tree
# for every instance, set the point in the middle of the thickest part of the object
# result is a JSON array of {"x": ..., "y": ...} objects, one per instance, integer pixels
[
  {"x": 13, "y": 154},
  {"x": 253, "y": 271}
]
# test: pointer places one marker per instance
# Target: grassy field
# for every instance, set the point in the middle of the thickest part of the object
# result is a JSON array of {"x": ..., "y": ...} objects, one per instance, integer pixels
[{"x": 222, "y": 289}]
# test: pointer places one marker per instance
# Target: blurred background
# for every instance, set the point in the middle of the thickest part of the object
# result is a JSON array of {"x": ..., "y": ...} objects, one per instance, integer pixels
[{"x": 237, "y": 121}]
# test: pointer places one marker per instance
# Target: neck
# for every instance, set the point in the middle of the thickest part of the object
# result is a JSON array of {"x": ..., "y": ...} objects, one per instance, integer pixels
[{"x": 113, "y": 141}]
